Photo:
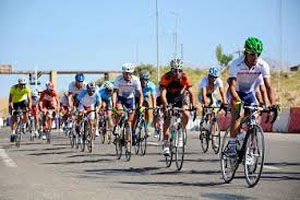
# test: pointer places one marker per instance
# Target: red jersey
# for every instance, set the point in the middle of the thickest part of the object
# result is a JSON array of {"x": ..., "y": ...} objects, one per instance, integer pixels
[
  {"x": 175, "y": 86},
  {"x": 48, "y": 98}
]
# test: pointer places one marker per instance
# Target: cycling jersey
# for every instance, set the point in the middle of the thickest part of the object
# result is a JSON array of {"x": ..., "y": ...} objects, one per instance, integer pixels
[
  {"x": 174, "y": 87},
  {"x": 205, "y": 82},
  {"x": 64, "y": 101},
  {"x": 48, "y": 99},
  {"x": 248, "y": 79},
  {"x": 18, "y": 94},
  {"x": 35, "y": 100},
  {"x": 104, "y": 95},
  {"x": 127, "y": 88},
  {"x": 149, "y": 88},
  {"x": 86, "y": 100},
  {"x": 74, "y": 90}
]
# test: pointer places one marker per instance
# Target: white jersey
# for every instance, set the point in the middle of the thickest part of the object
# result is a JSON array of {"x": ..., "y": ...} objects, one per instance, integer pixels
[
  {"x": 88, "y": 101},
  {"x": 205, "y": 82},
  {"x": 127, "y": 88},
  {"x": 35, "y": 100},
  {"x": 248, "y": 79},
  {"x": 74, "y": 90},
  {"x": 64, "y": 100}
]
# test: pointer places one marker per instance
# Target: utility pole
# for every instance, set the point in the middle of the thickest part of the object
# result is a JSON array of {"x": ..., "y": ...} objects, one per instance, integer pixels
[
  {"x": 181, "y": 50},
  {"x": 175, "y": 34},
  {"x": 157, "y": 46}
]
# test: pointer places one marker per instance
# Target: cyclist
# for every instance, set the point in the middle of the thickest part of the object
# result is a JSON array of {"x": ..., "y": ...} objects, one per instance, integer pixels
[
  {"x": 209, "y": 86},
  {"x": 64, "y": 110},
  {"x": 244, "y": 76},
  {"x": 148, "y": 89},
  {"x": 124, "y": 88},
  {"x": 105, "y": 93},
  {"x": 49, "y": 103},
  {"x": 35, "y": 98},
  {"x": 176, "y": 89},
  {"x": 75, "y": 88},
  {"x": 16, "y": 101},
  {"x": 89, "y": 101}
]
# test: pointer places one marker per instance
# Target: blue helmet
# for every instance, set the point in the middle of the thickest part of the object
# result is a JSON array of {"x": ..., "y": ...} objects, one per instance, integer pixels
[
  {"x": 214, "y": 71},
  {"x": 79, "y": 77}
]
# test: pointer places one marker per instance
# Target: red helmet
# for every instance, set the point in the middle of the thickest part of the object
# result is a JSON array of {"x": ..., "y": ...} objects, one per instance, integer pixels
[{"x": 49, "y": 86}]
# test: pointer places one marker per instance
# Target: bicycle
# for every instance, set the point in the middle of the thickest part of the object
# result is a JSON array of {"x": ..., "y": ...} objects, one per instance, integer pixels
[
  {"x": 140, "y": 133},
  {"x": 210, "y": 129},
  {"x": 20, "y": 126},
  {"x": 178, "y": 136},
  {"x": 104, "y": 131},
  {"x": 123, "y": 135},
  {"x": 48, "y": 126},
  {"x": 158, "y": 128},
  {"x": 86, "y": 135},
  {"x": 251, "y": 149},
  {"x": 31, "y": 126}
]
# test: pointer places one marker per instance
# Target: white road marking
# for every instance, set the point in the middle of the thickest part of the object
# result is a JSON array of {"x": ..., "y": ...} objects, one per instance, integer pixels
[
  {"x": 271, "y": 167},
  {"x": 154, "y": 143},
  {"x": 6, "y": 159}
]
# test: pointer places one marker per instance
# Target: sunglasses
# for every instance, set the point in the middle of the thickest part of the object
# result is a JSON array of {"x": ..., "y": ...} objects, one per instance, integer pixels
[
  {"x": 252, "y": 54},
  {"x": 177, "y": 70}
]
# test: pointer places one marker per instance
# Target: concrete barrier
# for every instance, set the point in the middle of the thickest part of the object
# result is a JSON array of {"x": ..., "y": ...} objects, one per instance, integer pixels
[
  {"x": 281, "y": 124},
  {"x": 224, "y": 121},
  {"x": 294, "y": 122}
]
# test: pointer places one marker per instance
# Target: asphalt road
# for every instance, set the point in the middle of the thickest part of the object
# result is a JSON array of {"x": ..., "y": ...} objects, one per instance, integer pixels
[{"x": 38, "y": 170}]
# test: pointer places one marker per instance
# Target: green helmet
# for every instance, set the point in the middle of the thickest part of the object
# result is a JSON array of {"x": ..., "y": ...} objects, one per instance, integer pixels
[{"x": 253, "y": 45}]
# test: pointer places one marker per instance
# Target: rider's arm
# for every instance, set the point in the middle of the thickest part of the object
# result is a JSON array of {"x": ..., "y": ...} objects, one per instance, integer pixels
[
  {"x": 232, "y": 89},
  {"x": 114, "y": 97},
  {"x": 204, "y": 97},
  {"x": 223, "y": 96},
  {"x": 192, "y": 95},
  {"x": 270, "y": 90},
  {"x": 141, "y": 97},
  {"x": 153, "y": 100},
  {"x": 163, "y": 96}
]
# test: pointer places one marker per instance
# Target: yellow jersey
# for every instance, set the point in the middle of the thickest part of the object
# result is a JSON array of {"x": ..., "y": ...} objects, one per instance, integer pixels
[{"x": 19, "y": 94}]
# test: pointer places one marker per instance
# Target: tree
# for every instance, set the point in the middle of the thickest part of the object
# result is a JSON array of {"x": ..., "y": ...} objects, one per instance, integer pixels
[{"x": 222, "y": 58}]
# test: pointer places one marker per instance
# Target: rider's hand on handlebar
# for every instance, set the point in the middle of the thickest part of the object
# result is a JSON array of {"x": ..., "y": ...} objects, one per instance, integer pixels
[{"x": 141, "y": 109}]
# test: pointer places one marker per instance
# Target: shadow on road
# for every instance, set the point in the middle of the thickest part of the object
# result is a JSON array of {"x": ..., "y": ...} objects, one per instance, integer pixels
[
  {"x": 205, "y": 172},
  {"x": 282, "y": 164},
  {"x": 129, "y": 171},
  {"x": 49, "y": 153},
  {"x": 173, "y": 183},
  {"x": 91, "y": 155},
  {"x": 224, "y": 196},
  {"x": 79, "y": 162}
]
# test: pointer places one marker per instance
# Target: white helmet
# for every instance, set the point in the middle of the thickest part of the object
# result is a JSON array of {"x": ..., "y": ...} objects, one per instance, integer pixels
[
  {"x": 22, "y": 80},
  {"x": 128, "y": 67},
  {"x": 176, "y": 64},
  {"x": 108, "y": 85}
]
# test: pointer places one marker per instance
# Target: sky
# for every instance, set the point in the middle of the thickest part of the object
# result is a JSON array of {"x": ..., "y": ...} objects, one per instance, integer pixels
[{"x": 104, "y": 34}]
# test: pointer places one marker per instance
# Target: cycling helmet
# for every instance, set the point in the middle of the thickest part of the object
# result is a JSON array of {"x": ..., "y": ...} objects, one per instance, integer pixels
[
  {"x": 145, "y": 75},
  {"x": 214, "y": 71},
  {"x": 35, "y": 93},
  {"x": 108, "y": 85},
  {"x": 79, "y": 77},
  {"x": 22, "y": 80},
  {"x": 128, "y": 67},
  {"x": 91, "y": 86},
  {"x": 176, "y": 64},
  {"x": 253, "y": 45},
  {"x": 49, "y": 85}
]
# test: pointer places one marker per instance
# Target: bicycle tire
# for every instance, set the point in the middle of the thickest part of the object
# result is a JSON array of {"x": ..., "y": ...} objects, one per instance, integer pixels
[
  {"x": 228, "y": 167},
  {"x": 18, "y": 135},
  {"x": 169, "y": 158},
  {"x": 254, "y": 155},
  {"x": 128, "y": 143},
  {"x": 143, "y": 137},
  {"x": 179, "y": 148},
  {"x": 217, "y": 136},
  {"x": 83, "y": 133},
  {"x": 204, "y": 137},
  {"x": 118, "y": 142},
  {"x": 49, "y": 137}
]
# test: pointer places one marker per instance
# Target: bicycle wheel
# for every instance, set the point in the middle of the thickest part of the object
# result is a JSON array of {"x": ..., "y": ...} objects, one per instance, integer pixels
[
  {"x": 204, "y": 137},
  {"x": 118, "y": 141},
  {"x": 254, "y": 155},
  {"x": 169, "y": 158},
  {"x": 179, "y": 147},
  {"x": 49, "y": 137},
  {"x": 128, "y": 143},
  {"x": 18, "y": 135},
  {"x": 228, "y": 165},
  {"x": 143, "y": 138},
  {"x": 109, "y": 134},
  {"x": 216, "y": 136},
  {"x": 83, "y": 133},
  {"x": 138, "y": 139},
  {"x": 72, "y": 138}
]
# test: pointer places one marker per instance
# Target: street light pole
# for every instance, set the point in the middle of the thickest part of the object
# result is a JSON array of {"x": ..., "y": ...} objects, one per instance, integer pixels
[{"x": 157, "y": 46}]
